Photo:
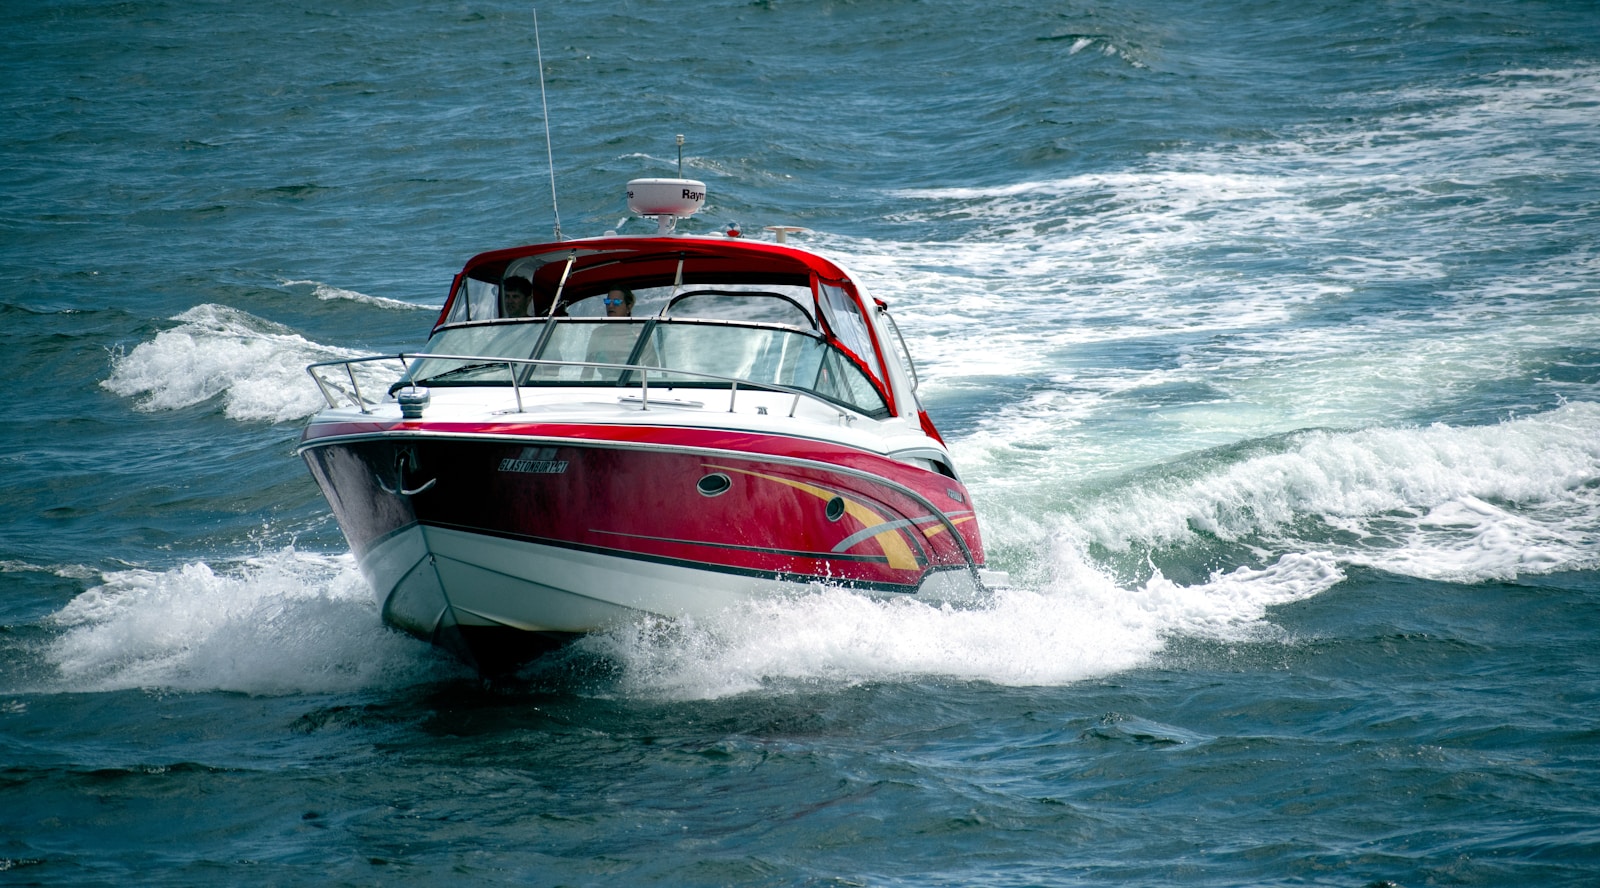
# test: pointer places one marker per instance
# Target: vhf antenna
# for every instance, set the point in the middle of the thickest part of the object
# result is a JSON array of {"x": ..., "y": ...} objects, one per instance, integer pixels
[
  {"x": 555, "y": 208},
  {"x": 680, "y": 155}
]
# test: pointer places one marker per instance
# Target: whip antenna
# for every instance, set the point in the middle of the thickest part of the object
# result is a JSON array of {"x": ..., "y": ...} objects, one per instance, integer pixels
[{"x": 550, "y": 156}]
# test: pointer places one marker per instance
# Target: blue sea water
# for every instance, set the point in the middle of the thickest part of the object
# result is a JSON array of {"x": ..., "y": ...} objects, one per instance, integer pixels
[{"x": 1266, "y": 335}]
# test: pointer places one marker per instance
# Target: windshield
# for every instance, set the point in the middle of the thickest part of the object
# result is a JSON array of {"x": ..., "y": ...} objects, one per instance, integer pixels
[
  {"x": 479, "y": 344},
  {"x": 689, "y": 352}
]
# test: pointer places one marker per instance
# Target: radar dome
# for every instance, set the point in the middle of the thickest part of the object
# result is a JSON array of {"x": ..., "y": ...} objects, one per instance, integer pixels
[{"x": 677, "y": 198}]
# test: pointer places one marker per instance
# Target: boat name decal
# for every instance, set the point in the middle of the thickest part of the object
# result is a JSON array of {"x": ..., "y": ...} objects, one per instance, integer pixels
[{"x": 535, "y": 461}]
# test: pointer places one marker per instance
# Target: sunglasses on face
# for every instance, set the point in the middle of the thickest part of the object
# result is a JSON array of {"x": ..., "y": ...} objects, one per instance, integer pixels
[{"x": 610, "y": 302}]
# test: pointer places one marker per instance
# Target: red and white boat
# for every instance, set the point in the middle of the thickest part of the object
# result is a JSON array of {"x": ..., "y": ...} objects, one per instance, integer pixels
[{"x": 750, "y": 429}]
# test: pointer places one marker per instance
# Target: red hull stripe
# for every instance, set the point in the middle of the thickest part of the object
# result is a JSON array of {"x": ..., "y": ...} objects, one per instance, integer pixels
[{"x": 836, "y": 555}]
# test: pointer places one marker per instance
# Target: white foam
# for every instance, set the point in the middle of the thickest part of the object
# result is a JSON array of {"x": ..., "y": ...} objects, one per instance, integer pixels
[
  {"x": 281, "y": 623},
  {"x": 1250, "y": 280},
  {"x": 1171, "y": 245},
  {"x": 65, "y": 571},
  {"x": 1418, "y": 500},
  {"x": 330, "y": 293},
  {"x": 1467, "y": 539},
  {"x": 1081, "y": 626},
  {"x": 289, "y": 622},
  {"x": 1249, "y": 269},
  {"x": 255, "y": 366}
]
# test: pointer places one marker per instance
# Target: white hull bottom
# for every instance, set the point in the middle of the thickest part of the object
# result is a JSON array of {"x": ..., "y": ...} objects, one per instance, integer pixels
[{"x": 443, "y": 584}]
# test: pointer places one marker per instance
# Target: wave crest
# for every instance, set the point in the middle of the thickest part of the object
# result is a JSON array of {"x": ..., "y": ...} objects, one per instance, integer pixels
[
  {"x": 1437, "y": 502},
  {"x": 282, "y": 623},
  {"x": 256, "y": 366}
]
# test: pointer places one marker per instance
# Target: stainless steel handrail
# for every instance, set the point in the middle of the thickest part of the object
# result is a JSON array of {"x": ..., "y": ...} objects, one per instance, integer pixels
[
  {"x": 516, "y": 387},
  {"x": 355, "y": 394}
]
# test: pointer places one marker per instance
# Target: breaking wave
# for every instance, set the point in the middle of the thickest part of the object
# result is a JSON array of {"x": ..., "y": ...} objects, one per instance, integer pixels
[
  {"x": 329, "y": 293},
  {"x": 281, "y": 623},
  {"x": 256, "y": 367},
  {"x": 1462, "y": 504}
]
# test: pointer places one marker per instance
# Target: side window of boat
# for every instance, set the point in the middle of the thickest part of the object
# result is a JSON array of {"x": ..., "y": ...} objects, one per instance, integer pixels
[
  {"x": 474, "y": 300},
  {"x": 840, "y": 379},
  {"x": 458, "y": 304},
  {"x": 845, "y": 318}
]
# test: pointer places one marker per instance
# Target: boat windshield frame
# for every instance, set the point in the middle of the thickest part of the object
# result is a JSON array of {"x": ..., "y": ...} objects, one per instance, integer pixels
[
  {"x": 565, "y": 274},
  {"x": 567, "y": 352}
]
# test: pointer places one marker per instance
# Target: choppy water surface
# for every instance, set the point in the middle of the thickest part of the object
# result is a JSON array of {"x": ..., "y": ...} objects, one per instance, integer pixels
[{"x": 1266, "y": 337}]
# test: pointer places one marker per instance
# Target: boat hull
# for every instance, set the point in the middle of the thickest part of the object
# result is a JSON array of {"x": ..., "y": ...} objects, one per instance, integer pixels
[{"x": 499, "y": 542}]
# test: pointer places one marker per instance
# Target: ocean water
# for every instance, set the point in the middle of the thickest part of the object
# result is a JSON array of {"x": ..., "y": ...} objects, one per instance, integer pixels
[{"x": 1266, "y": 335}]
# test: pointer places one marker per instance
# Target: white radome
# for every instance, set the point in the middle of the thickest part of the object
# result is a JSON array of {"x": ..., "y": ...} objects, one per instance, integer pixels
[{"x": 678, "y": 198}]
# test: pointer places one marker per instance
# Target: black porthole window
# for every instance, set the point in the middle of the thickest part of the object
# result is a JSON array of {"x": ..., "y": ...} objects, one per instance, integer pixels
[
  {"x": 835, "y": 509},
  {"x": 714, "y": 484}
]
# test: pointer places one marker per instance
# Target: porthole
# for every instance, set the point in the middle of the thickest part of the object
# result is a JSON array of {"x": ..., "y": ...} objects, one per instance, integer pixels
[
  {"x": 835, "y": 509},
  {"x": 714, "y": 484}
]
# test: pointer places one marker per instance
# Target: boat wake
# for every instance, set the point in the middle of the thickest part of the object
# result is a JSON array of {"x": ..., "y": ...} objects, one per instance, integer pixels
[
  {"x": 292, "y": 622},
  {"x": 1458, "y": 504},
  {"x": 1468, "y": 504}
]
